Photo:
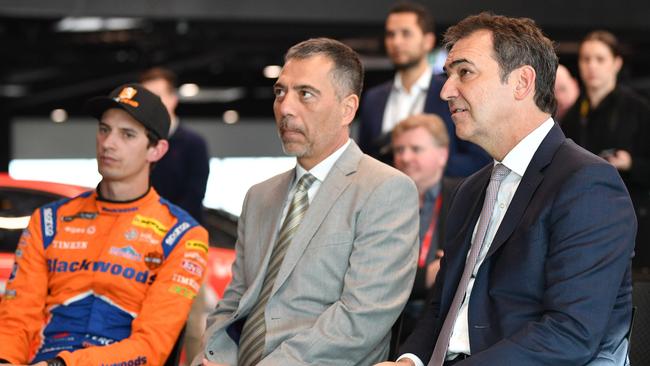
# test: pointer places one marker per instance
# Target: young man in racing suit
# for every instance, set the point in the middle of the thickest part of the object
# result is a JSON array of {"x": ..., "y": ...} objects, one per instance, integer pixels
[{"x": 107, "y": 278}]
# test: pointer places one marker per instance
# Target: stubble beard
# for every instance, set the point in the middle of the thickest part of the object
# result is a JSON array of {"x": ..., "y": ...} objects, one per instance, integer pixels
[
  {"x": 410, "y": 63},
  {"x": 290, "y": 147}
]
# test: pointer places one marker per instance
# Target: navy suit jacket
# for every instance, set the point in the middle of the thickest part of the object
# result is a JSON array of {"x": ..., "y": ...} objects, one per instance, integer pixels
[
  {"x": 465, "y": 158},
  {"x": 555, "y": 287}
]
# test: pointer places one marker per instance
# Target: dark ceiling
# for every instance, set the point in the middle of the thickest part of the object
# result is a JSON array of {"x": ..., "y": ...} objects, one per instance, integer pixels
[{"x": 221, "y": 45}]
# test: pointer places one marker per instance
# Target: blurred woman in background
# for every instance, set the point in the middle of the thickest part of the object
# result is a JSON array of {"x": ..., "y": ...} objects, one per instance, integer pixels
[{"x": 614, "y": 122}]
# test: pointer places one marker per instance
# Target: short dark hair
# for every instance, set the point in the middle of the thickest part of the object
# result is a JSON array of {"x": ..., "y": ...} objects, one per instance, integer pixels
[
  {"x": 607, "y": 38},
  {"x": 152, "y": 137},
  {"x": 347, "y": 73},
  {"x": 156, "y": 73},
  {"x": 424, "y": 17},
  {"x": 517, "y": 42}
]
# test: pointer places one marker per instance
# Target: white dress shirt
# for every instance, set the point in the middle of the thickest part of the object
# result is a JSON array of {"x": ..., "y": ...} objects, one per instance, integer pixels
[
  {"x": 517, "y": 161},
  {"x": 320, "y": 171},
  {"x": 402, "y": 103}
]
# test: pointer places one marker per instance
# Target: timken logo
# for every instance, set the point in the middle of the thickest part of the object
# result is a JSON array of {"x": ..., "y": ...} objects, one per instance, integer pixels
[
  {"x": 149, "y": 223},
  {"x": 126, "y": 97},
  {"x": 60, "y": 244}
]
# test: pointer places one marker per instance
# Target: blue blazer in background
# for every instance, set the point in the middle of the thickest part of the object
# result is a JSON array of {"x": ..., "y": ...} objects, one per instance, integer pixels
[{"x": 465, "y": 158}]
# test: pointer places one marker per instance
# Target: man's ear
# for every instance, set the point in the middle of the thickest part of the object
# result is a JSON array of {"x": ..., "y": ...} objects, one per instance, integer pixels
[
  {"x": 429, "y": 41},
  {"x": 349, "y": 106},
  {"x": 155, "y": 153},
  {"x": 618, "y": 63},
  {"x": 524, "y": 79}
]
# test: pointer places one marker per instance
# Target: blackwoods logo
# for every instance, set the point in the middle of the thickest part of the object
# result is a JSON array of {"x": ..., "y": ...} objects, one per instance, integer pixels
[
  {"x": 142, "y": 360},
  {"x": 55, "y": 265}
]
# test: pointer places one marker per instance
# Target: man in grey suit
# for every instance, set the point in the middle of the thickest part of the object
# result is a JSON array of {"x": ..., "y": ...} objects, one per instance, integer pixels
[{"x": 326, "y": 252}]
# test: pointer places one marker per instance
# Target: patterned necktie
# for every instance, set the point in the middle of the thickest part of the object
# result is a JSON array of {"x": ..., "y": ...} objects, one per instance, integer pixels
[
  {"x": 251, "y": 343},
  {"x": 499, "y": 172}
]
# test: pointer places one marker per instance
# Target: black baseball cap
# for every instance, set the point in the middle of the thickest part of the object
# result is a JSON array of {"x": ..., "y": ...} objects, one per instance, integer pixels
[{"x": 143, "y": 105}]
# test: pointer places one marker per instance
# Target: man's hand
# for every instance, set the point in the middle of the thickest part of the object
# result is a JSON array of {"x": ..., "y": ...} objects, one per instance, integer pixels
[
  {"x": 621, "y": 159},
  {"x": 402, "y": 362},
  {"x": 433, "y": 268},
  {"x": 206, "y": 362}
]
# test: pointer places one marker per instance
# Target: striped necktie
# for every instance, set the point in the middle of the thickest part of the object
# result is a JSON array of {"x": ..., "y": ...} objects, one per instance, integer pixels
[{"x": 251, "y": 343}]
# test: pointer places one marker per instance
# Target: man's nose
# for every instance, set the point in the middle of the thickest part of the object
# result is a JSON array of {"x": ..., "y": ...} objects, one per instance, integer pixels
[{"x": 449, "y": 90}]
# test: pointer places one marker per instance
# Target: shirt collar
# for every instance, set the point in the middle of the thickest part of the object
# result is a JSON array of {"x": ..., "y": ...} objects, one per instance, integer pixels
[
  {"x": 119, "y": 207},
  {"x": 519, "y": 157},
  {"x": 323, "y": 168},
  {"x": 421, "y": 83}
]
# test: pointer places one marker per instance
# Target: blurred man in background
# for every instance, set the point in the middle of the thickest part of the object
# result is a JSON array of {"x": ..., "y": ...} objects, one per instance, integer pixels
[
  {"x": 409, "y": 39},
  {"x": 182, "y": 174},
  {"x": 420, "y": 150}
]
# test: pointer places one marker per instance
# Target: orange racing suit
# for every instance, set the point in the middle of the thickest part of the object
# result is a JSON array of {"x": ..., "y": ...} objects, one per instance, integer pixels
[{"x": 102, "y": 283}]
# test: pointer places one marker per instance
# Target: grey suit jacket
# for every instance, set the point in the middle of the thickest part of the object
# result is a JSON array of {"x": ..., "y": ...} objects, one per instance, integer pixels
[{"x": 344, "y": 279}]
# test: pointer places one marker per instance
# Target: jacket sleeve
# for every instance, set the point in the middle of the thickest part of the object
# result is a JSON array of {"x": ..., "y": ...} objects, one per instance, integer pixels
[
  {"x": 228, "y": 305},
  {"x": 376, "y": 285},
  {"x": 163, "y": 313},
  {"x": 22, "y": 310}
]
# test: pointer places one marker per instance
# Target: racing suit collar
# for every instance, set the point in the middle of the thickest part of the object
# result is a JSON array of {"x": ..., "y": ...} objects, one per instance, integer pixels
[{"x": 117, "y": 207}]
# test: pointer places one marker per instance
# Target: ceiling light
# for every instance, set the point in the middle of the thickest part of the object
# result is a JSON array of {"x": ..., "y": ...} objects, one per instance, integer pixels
[
  {"x": 230, "y": 116},
  {"x": 189, "y": 90},
  {"x": 95, "y": 24},
  {"x": 59, "y": 115},
  {"x": 272, "y": 71}
]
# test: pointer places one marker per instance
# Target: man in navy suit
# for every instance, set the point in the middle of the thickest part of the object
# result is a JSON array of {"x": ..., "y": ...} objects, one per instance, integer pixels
[
  {"x": 537, "y": 265},
  {"x": 409, "y": 39}
]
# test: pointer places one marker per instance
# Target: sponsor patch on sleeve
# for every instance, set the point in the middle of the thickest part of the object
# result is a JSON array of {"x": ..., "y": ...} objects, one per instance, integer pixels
[
  {"x": 183, "y": 291},
  {"x": 196, "y": 245},
  {"x": 192, "y": 267}
]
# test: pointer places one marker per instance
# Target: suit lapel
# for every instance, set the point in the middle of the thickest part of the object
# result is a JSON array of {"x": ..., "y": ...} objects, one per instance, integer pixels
[
  {"x": 529, "y": 183},
  {"x": 268, "y": 230},
  {"x": 335, "y": 183},
  {"x": 457, "y": 244}
]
